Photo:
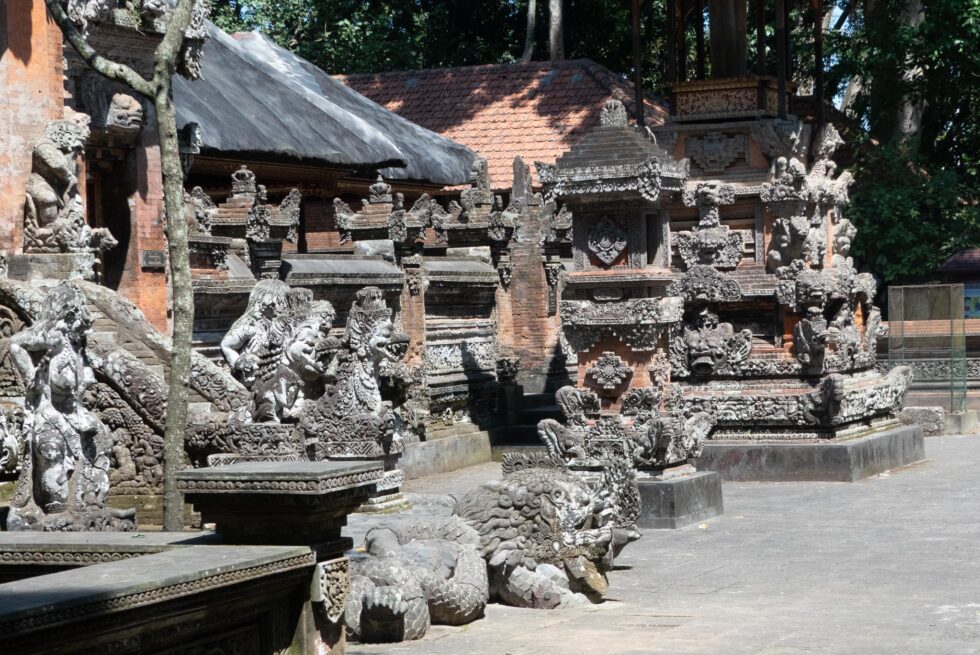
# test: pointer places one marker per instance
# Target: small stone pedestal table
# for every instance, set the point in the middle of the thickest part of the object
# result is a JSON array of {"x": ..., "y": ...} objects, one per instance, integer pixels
[
  {"x": 291, "y": 503},
  {"x": 678, "y": 498}
]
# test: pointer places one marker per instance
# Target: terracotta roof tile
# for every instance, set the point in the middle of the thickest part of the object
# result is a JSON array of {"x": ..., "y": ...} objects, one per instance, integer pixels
[{"x": 536, "y": 110}]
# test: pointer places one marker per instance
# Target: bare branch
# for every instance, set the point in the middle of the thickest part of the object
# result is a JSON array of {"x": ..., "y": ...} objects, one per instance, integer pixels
[
  {"x": 168, "y": 51},
  {"x": 844, "y": 14},
  {"x": 112, "y": 70}
]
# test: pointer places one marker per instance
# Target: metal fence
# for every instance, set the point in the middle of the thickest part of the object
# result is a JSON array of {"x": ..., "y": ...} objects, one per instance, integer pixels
[{"x": 926, "y": 330}]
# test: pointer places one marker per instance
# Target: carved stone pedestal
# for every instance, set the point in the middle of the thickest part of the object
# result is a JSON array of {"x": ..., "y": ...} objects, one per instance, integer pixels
[
  {"x": 675, "y": 501},
  {"x": 387, "y": 497},
  {"x": 837, "y": 460}
]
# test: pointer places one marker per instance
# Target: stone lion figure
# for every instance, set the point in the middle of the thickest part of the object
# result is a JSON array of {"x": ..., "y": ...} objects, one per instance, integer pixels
[
  {"x": 416, "y": 573},
  {"x": 546, "y": 535}
]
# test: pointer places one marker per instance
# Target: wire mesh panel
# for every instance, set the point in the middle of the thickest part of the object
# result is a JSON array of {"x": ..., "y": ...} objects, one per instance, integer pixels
[{"x": 926, "y": 331}]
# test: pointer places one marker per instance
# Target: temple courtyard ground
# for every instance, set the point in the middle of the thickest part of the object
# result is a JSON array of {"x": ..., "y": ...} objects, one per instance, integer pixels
[{"x": 887, "y": 565}]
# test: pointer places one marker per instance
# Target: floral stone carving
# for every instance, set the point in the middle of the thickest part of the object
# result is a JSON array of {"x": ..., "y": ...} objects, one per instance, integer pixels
[
  {"x": 609, "y": 372},
  {"x": 64, "y": 479}
]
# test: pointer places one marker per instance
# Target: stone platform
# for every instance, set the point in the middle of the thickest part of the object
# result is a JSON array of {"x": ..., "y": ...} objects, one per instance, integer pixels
[
  {"x": 679, "y": 501},
  {"x": 840, "y": 460}
]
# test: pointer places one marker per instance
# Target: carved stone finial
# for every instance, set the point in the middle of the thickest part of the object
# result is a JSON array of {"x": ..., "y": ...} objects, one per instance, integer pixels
[
  {"x": 613, "y": 114},
  {"x": 380, "y": 191},
  {"x": 243, "y": 183}
]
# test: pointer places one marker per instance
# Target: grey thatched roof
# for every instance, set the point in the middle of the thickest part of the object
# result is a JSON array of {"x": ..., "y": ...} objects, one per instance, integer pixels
[{"x": 255, "y": 98}]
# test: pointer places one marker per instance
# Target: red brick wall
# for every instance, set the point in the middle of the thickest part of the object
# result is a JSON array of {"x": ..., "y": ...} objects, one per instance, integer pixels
[
  {"x": 318, "y": 221},
  {"x": 31, "y": 79}
]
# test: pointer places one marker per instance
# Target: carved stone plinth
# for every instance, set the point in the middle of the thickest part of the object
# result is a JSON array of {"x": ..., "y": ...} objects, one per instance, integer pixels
[
  {"x": 281, "y": 502},
  {"x": 53, "y": 266},
  {"x": 840, "y": 460},
  {"x": 675, "y": 501}
]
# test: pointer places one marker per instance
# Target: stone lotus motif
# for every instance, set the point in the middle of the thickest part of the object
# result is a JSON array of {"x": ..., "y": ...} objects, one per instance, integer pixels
[
  {"x": 54, "y": 213},
  {"x": 64, "y": 479},
  {"x": 416, "y": 573},
  {"x": 609, "y": 372}
]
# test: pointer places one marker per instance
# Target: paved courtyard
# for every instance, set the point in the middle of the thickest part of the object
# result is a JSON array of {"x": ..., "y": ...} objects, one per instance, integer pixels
[{"x": 886, "y": 565}]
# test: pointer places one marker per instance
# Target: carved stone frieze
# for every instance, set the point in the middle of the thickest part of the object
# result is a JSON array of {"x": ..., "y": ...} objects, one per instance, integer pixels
[
  {"x": 331, "y": 586},
  {"x": 638, "y": 322},
  {"x": 715, "y": 151},
  {"x": 704, "y": 284}
]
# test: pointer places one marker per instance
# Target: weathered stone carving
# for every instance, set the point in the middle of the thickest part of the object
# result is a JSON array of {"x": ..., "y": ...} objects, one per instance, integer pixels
[
  {"x": 125, "y": 113},
  {"x": 607, "y": 240},
  {"x": 638, "y": 322},
  {"x": 255, "y": 342},
  {"x": 350, "y": 420},
  {"x": 609, "y": 372},
  {"x": 547, "y": 537},
  {"x": 715, "y": 151},
  {"x": 416, "y": 573},
  {"x": 10, "y": 444},
  {"x": 710, "y": 242},
  {"x": 196, "y": 34},
  {"x": 64, "y": 480},
  {"x": 54, "y": 215},
  {"x": 705, "y": 284},
  {"x": 199, "y": 211},
  {"x": 707, "y": 347}
]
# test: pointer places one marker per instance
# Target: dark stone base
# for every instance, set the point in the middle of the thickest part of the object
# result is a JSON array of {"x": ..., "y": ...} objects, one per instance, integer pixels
[
  {"x": 844, "y": 460},
  {"x": 680, "y": 501}
]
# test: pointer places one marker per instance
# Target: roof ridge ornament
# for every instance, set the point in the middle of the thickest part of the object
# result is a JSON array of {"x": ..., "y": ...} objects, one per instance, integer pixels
[{"x": 613, "y": 114}]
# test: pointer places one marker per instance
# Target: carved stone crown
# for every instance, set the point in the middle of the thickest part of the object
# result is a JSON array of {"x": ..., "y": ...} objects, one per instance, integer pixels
[
  {"x": 243, "y": 182},
  {"x": 380, "y": 191},
  {"x": 614, "y": 113}
]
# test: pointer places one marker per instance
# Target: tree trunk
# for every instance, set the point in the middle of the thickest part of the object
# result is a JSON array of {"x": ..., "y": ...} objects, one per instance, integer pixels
[
  {"x": 908, "y": 118},
  {"x": 183, "y": 295},
  {"x": 556, "y": 35},
  {"x": 532, "y": 10}
]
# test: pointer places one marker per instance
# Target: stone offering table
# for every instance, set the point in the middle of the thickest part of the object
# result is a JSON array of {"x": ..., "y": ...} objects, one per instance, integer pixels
[
  {"x": 217, "y": 599},
  {"x": 281, "y": 502}
]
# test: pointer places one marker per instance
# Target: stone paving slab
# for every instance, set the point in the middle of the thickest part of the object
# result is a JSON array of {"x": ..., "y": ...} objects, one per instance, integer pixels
[{"x": 890, "y": 564}]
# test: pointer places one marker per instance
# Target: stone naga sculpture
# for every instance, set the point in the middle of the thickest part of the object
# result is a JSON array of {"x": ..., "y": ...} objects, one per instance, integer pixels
[
  {"x": 547, "y": 537},
  {"x": 64, "y": 479},
  {"x": 54, "y": 214},
  {"x": 416, "y": 573},
  {"x": 351, "y": 420}
]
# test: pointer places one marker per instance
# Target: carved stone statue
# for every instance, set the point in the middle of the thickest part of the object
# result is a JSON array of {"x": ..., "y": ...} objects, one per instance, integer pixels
[
  {"x": 254, "y": 344},
  {"x": 416, "y": 573},
  {"x": 546, "y": 535},
  {"x": 54, "y": 214},
  {"x": 64, "y": 480},
  {"x": 351, "y": 420}
]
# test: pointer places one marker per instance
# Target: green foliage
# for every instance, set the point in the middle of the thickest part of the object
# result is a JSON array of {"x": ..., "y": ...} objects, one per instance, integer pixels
[{"x": 909, "y": 221}]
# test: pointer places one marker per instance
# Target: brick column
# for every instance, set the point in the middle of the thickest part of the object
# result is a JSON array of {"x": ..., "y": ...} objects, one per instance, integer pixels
[{"x": 31, "y": 76}]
